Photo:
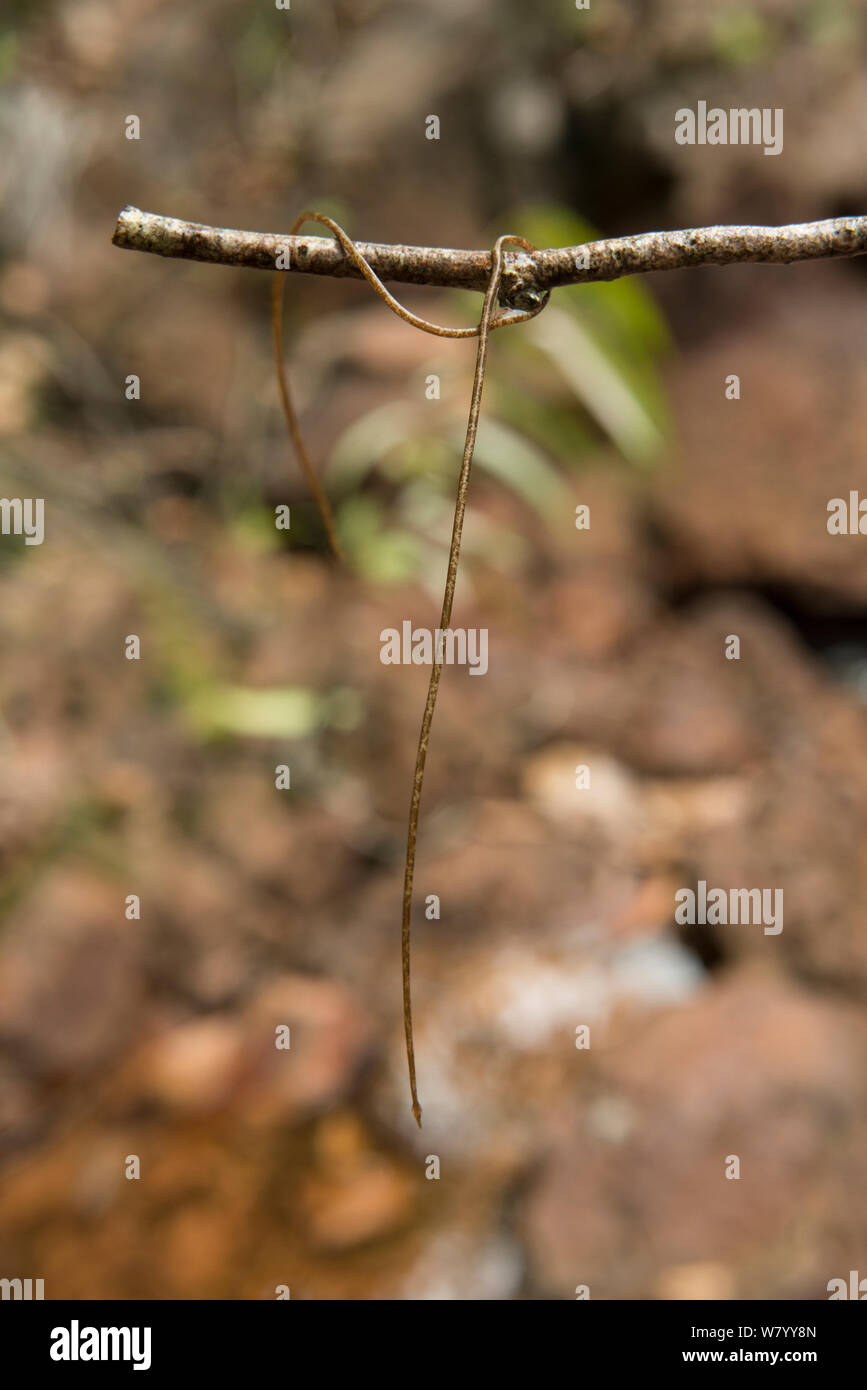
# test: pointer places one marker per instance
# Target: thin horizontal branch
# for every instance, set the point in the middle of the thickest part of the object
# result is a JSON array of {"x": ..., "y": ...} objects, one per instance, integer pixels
[{"x": 525, "y": 276}]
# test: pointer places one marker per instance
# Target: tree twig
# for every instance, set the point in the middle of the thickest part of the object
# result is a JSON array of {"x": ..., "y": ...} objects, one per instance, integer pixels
[{"x": 525, "y": 277}]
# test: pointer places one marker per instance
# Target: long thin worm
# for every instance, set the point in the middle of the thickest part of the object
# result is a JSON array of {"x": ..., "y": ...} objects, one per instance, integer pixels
[{"x": 488, "y": 321}]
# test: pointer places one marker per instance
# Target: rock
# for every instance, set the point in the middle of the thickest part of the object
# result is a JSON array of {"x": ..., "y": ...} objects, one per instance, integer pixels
[
  {"x": 355, "y": 1195},
  {"x": 194, "y": 1067},
  {"x": 330, "y": 1038},
  {"x": 750, "y": 505},
  {"x": 703, "y": 1280},
  {"x": 754, "y": 1068},
  {"x": 69, "y": 983}
]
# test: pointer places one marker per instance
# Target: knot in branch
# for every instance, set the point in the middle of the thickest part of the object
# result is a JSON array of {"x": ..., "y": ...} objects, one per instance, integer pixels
[{"x": 519, "y": 288}]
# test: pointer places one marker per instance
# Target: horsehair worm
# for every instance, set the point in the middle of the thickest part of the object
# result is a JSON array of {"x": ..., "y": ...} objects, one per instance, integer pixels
[{"x": 488, "y": 321}]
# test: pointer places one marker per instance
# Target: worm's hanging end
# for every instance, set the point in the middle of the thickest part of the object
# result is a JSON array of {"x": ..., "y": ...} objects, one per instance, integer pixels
[{"x": 416, "y": 1110}]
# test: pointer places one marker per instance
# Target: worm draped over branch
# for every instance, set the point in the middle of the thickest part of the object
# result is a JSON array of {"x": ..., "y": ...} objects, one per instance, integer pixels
[{"x": 520, "y": 279}]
